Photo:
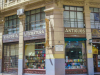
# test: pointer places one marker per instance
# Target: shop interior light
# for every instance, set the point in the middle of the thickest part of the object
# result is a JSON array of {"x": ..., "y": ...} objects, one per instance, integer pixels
[{"x": 71, "y": 51}]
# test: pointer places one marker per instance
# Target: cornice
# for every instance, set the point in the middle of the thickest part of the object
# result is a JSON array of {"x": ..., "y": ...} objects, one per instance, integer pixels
[
  {"x": 94, "y": 4},
  {"x": 73, "y": 2}
]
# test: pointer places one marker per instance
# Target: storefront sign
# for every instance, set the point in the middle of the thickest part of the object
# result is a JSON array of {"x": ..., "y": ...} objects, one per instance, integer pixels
[
  {"x": 95, "y": 33},
  {"x": 47, "y": 32},
  {"x": 10, "y": 38},
  {"x": 95, "y": 50},
  {"x": 59, "y": 47},
  {"x": 75, "y": 32},
  {"x": 34, "y": 34}
]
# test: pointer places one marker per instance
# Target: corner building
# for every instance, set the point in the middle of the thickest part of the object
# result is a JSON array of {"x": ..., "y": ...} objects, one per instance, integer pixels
[{"x": 51, "y": 37}]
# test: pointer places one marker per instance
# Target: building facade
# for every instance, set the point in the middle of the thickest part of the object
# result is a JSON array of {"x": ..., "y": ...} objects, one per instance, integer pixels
[{"x": 51, "y": 37}]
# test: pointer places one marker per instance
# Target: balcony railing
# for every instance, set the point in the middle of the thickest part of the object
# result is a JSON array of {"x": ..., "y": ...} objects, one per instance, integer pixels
[{"x": 10, "y": 3}]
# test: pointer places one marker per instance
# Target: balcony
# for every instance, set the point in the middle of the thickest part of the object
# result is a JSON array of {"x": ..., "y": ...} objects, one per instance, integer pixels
[{"x": 14, "y": 3}]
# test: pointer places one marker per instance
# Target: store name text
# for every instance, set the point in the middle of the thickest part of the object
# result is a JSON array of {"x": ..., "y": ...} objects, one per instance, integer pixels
[
  {"x": 10, "y": 36},
  {"x": 75, "y": 30},
  {"x": 32, "y": 33}
]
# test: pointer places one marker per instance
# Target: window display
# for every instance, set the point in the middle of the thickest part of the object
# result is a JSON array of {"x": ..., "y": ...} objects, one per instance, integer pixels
[
  {"x": 10, "y": 56},
  {"x": 34, "y": 55},
  {"x": 75, "y": 55}
]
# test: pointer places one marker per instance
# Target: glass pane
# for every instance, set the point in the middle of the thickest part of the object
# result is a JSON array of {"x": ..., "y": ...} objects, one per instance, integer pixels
[
  {"x": 10, "y": 23},
  {"x": 27, "y": 13},
  {"x": 27, "y": 19},
  {"x": 18, "y": 21},
  {"x": 14, "y": 22},
  {"x": 92, "y": 16},
  {"x": 38, "y": 25},
  {"x": 91, "y": 9},
  {"x": 66, "y": 14},
  {"x": 32, "y": 18},
  {"x": 96, "y": 16},
  {"x": 74, "y": 52},
  {"x": 79, "y": 9},
  {"x": 6, "y": 24},
  {"x": 92, "y": 25},
  {"x": 42, "y": 9},
  {"x": 10, "y": 17},
  {"x": 66, "y": 23},
  {"x": 66, "y": 7},
  {"x": 80, "y": 25},
  {"x": 72, "y": 15},
  {"x": 42, "y": 16},
  {"x": 72, "y": 24},
  {"x": 38, "y": 17},
  {"x": 71, "y": 8},
  {"x": 97, "y": 24},
  {"x": 96, "y": 10},
  {"x": 32, "y": 25},
  {"x": 33, "y": 12},
  {"x": 76, "y": 24},
  {"x": 80, "y": 16},
  {"x": 14, "y": 16},
  {"x": 37, "y": 10}
]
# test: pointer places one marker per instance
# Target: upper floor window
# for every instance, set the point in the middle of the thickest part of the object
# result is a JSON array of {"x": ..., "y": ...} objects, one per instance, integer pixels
[
  {"x": 35, "y": 19},
  {"x": 95, "y": 18},
  {"x": 11, "y": 24},
  {"x": 73, "y": 17}
]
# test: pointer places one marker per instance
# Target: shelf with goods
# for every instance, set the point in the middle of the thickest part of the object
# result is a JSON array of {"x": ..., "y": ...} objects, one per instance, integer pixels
[
  {"x": 75, "y": 64},
  {"x": 37, "y": 61}
]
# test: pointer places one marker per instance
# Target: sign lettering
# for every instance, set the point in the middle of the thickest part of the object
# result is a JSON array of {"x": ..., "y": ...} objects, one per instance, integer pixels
[{"x": 74, "y": 30}]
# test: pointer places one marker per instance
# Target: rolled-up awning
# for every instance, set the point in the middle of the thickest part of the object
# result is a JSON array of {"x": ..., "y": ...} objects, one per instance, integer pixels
[{"x": 75, "y": 39}]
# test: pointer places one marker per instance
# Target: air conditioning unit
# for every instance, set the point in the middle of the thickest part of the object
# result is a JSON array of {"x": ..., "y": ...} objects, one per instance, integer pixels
[{"x": 20, "y": 12}]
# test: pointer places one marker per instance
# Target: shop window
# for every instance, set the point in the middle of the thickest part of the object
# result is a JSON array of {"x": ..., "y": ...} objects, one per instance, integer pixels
[
  {"x": 34, "y": 55},
  {"x": 73, "y": 17},
  {"x": 75, "y": 55},
  {"x": 95, "y": 18},
  {"x": 35, "y": 19},
  {"x": 10, "y": 58},
  {"x": 11, "y": 24}
]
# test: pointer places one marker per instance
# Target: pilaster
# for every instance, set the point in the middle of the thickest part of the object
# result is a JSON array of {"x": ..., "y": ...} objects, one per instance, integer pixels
[
  {"x": 55, "y": 62},
  {"x": 90, "y": 66},
  {"x": 21, "y": 44},
  {"x": 1, "y": 43}
]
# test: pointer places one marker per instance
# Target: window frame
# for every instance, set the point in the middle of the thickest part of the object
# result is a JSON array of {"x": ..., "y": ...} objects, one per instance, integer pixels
[
  {"x": 94, "y": 18},
  {"x": 75, "y": 11},
  {"x": 12, "y": 26},
  {"x": 28, "y": 25}
]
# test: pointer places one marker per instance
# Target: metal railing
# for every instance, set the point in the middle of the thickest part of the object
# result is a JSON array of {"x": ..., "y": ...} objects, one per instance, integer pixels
[{"x": 8, "y": 3}]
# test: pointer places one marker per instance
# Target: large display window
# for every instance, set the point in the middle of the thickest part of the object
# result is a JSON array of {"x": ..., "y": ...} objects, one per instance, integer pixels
[
  {"x": 35, "y": 54},
  {"x": 10, "y": 58},
  {"x": 75, "y": 55}
]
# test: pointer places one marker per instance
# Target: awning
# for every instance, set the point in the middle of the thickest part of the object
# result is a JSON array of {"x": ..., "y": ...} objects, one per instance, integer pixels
[{"x": 75, "y": 39}]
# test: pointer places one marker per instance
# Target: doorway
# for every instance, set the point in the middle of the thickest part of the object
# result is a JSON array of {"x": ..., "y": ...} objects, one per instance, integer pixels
[{"x": 96, "y": 57}]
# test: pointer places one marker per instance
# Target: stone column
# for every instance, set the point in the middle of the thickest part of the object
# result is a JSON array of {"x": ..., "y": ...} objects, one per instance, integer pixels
[
  {"x": 1, "y": 43},
  {"x": 55, "y": 61},
  {"x": 21, "y": 44},
  {"x": 90, "y": 66}
]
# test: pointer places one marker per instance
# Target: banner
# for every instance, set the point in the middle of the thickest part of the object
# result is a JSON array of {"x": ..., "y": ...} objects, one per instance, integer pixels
[{"x": 47, "y": 32}]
